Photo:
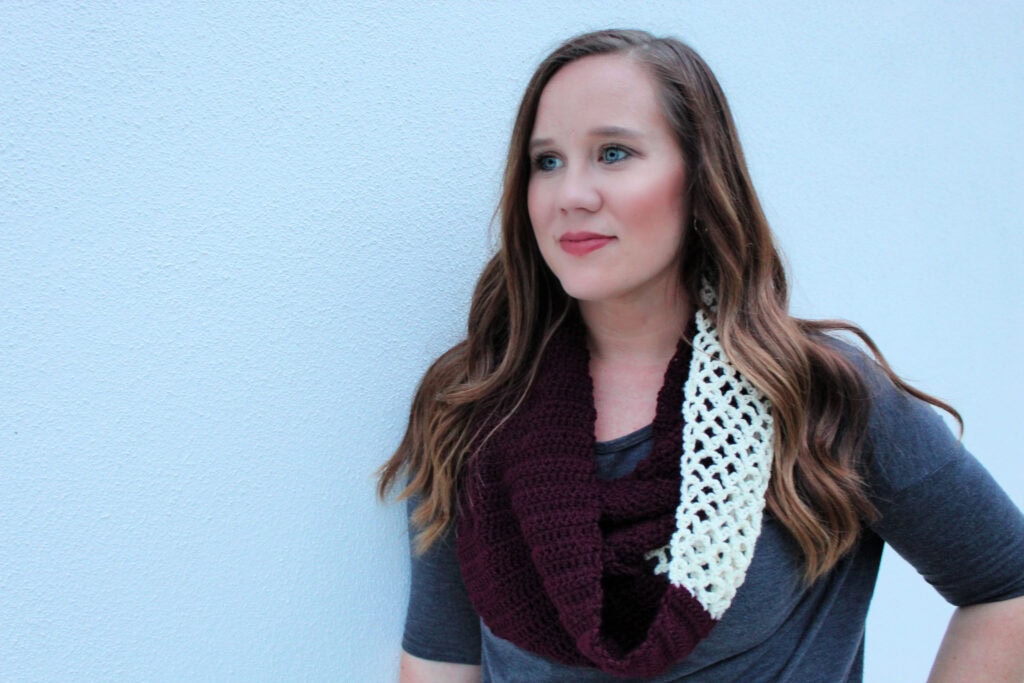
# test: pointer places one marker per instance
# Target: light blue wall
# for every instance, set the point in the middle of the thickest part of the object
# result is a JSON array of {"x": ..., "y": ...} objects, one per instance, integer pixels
[{"x": 233, "y": 235}]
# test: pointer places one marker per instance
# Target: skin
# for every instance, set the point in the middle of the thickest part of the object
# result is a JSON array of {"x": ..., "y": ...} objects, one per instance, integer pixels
[
  {"x": 983, "y": 643},
  {"x": 415, "y": 670},
  {"x": 606, "y": 162}
]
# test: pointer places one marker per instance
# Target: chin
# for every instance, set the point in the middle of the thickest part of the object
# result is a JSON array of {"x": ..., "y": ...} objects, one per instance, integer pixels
[{"x": 589, "y": 290}]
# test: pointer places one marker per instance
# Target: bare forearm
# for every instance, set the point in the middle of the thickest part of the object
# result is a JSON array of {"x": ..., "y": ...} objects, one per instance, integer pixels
[
  {"x": 415, "y": 670},
  {"x": 983, "y": 643}
]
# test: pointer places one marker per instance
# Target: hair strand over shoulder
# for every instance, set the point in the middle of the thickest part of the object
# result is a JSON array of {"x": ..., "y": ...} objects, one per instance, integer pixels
[{"x": 820, "y": 402}]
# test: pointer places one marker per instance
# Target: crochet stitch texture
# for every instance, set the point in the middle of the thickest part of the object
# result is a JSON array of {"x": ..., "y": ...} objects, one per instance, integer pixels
[
  {"x": 561, "y": 564},
  {"x": 722, "y": 501}
]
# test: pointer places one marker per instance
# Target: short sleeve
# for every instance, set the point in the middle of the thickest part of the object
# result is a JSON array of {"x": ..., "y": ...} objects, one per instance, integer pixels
[
  {"x": 440, "y": 624},
  {"x": 940, "y": 508}
]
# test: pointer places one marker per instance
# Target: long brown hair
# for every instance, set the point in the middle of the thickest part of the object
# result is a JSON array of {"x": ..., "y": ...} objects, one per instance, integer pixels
[{"x": 820, "y": 402}]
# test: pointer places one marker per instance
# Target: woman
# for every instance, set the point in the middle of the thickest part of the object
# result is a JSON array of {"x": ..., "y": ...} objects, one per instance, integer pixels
[{"x": 638, "y": 465}]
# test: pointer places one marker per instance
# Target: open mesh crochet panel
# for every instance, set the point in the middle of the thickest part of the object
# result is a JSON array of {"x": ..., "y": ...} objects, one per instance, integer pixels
[{"x": 726, "y": 465}]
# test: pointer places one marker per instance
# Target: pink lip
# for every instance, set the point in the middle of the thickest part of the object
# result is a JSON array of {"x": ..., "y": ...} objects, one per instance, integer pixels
[{"x": 582, "y": 243}]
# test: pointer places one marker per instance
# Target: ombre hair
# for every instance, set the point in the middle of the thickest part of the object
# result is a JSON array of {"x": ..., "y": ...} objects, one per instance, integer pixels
[{"x": 820, "y": 402}]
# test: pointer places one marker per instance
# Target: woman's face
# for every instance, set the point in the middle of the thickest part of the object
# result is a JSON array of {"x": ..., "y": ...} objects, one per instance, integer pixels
[{"x": 606, "y": 191}]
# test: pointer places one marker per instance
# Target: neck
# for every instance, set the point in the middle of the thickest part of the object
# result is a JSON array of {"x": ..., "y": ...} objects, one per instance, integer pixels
[{"x": 636, "y": 332}]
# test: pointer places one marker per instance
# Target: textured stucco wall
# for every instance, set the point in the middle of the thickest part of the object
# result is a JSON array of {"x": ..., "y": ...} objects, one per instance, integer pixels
[{"x": 233, "y": 235}]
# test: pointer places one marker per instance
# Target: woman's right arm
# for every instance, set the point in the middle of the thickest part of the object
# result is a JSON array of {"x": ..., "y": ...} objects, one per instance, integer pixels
[
  {"x": 415, "y": 670},
  {"x": 441, "y": 640}
]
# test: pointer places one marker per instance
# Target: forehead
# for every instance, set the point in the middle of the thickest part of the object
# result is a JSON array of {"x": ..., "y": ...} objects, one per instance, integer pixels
[{"x": 599, "y": 90}]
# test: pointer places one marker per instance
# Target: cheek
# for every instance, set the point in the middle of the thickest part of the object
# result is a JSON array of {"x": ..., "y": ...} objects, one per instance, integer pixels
[
  {"x": 534, "y": 205},
  {"x": 534, "y": 210},
  {"x": 662, "y": 204}
]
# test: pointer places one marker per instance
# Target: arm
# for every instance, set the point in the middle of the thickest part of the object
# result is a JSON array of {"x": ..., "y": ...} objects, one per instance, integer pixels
[
  {"x": 944, "y": 513},
  {"x": 983, "y": 643},
  {"x": 415, "y": 670},
  {"x": 441, "y": 641}
]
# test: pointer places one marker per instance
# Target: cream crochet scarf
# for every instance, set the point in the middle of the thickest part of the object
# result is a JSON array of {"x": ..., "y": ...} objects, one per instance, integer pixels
[{"x": 598, "y": 574}]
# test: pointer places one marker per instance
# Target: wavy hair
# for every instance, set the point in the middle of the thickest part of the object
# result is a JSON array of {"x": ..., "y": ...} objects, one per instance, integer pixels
[{"x": 820, "y": 402}]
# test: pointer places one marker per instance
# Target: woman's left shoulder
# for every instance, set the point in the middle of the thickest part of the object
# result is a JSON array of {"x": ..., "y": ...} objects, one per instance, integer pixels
[{"x": 907, "y": 438}]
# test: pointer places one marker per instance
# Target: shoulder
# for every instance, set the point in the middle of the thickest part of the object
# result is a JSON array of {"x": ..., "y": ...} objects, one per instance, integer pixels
[{"x": 907, "y": 438}]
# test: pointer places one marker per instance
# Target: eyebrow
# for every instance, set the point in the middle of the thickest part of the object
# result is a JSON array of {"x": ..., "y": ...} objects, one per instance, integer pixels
[{"x": 601, "y": 132}]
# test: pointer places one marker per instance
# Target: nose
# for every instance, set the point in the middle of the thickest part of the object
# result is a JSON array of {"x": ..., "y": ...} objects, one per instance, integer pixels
[{"x": 578, "y": 190}]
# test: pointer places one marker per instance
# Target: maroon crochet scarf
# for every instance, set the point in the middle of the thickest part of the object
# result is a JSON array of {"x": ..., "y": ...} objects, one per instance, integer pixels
[{"x": 554, "y": 558}]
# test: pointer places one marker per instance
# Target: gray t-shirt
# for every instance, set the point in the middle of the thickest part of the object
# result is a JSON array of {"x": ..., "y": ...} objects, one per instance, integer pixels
[{"x": 939, "y": 509}]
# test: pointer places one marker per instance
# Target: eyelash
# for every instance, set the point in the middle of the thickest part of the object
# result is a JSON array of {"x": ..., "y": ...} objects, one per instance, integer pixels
[
  {"x": 540, "y": 159},
  {"x": 616, "y": 148}
]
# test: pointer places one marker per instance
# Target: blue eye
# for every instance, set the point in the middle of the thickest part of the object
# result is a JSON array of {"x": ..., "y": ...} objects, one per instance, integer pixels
[
  {"x": 547, "y": 162},
  {"x": 611, "y": 155}
]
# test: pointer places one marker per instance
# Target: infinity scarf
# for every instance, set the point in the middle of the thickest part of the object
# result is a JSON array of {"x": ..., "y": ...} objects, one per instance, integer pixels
[{"x": 628, "y": 575}]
